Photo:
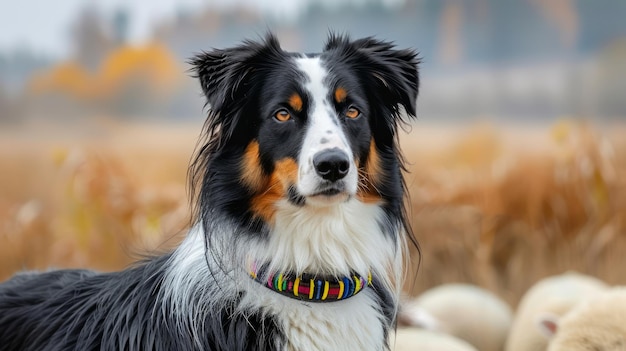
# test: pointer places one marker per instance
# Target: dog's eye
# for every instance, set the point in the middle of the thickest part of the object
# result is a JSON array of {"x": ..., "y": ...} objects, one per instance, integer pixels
[
  {"x": 282, "y": 116},
  {"x": 352, "y": 113}
]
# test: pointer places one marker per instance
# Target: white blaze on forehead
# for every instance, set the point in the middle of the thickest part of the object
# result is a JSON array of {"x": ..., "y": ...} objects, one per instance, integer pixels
[
  {"x": 323, "y": 126},
  {"x": 322, "y": 123}
]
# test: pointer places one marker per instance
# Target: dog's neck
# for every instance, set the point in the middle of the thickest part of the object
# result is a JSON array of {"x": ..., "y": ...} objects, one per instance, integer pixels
[
  {"x": 336, "y": 240},
  {"x": 339, "y": 241},
  {"x": 309, "y": 287}
]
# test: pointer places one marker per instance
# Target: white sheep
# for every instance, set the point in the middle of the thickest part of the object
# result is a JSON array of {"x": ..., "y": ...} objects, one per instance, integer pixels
[
  {"x": 465, "y": 311},
  {"x": 414, "y": 339},
  {"x": 598, "y": 323},
  {"x": 554, "y": 295}
]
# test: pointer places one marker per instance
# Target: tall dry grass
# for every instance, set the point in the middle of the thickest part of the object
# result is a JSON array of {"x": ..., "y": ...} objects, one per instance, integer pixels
[
  {"x": 498, "y": 207},
  {"x": 502, "y": 208},
  {"x": 100, "y": 198}
]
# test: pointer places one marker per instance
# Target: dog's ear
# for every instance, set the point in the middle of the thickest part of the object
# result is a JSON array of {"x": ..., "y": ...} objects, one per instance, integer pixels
[
  {"x": 228, "y": 76},
  {"x": 394, "y": 72}
]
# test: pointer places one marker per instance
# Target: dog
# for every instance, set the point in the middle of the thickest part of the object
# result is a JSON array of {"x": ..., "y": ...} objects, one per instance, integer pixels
[{"x": 300, "y": 227}]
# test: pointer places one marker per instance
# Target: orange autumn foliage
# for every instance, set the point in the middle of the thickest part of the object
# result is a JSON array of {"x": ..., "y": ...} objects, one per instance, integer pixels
[
  {"x": 153, "y": 65},
  {"x": 68, "y": 78},
  {"x": 151, "y": 68}
]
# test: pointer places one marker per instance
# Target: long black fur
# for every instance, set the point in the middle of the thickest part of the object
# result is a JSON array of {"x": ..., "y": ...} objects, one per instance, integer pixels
[{"x": 82, "y": 310}]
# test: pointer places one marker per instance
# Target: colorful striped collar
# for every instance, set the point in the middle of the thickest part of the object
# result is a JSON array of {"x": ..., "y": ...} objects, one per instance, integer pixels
[{"x": 308, "y": 287}]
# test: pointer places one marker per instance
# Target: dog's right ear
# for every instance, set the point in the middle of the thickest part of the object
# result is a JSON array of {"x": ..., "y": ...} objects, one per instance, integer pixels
[
  {"x": 212, "y": 69},
  {"x": 227, "y": 76},
  {"x": 223, "y": 72}
]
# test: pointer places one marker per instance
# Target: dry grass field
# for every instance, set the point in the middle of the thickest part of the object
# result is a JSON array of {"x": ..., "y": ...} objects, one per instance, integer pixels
[{"x": 498, "y": 207}]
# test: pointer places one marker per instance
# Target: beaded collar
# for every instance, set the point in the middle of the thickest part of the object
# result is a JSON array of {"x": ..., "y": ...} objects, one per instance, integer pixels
[{"x": 311, "y": 288}]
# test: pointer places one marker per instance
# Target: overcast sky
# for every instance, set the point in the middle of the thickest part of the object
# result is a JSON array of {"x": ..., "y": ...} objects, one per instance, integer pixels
[{"x": 43, "y": 25}]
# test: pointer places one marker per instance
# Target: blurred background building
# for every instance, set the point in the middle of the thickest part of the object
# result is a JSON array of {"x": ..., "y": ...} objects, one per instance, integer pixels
[{"x": 509, "y": 60}]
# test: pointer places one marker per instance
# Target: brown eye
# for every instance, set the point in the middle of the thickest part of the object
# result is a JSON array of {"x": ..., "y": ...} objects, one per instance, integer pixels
[
  {"x": 352, "y": 113},
  {"x": 282, "y": 116}
]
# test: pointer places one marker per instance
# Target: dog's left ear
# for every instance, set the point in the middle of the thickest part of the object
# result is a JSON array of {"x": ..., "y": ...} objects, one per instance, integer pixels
[{"x": 394, "y": 72}]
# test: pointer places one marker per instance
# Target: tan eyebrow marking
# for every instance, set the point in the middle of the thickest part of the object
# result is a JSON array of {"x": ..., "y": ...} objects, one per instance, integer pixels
[
  {"x": 340, "y": 94},
  {"x": 295, "y": 101}
]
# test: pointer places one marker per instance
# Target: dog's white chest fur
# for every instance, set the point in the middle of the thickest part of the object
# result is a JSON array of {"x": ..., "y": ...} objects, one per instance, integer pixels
[
  {"x": 348, "y": 235},
  {"x": 353, "y": 324},
  {"x": 347, "y": 238},
  {"x": 328, "y": 240},
  {"x": 313, "y": 238}
]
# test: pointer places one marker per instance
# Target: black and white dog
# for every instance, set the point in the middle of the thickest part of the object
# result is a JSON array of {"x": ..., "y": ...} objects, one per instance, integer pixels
[{"x": 300, "y": 226}]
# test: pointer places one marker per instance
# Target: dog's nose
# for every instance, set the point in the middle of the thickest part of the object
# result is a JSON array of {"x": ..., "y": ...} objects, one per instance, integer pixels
[{"x": 332, "y": 164}]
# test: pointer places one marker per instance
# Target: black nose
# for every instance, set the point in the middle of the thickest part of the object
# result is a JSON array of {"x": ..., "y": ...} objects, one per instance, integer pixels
[{"x": 332, "y": 164}]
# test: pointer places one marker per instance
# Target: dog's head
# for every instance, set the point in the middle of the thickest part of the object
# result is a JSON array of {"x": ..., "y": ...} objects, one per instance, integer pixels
[{"x": 311, "y": 130}]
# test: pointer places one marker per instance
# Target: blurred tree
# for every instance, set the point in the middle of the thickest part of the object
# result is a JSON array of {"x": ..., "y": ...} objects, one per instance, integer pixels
[
  {"x": 136, "y": 76},
  {"x": 611, "y": 80},
  {"x": 90, "y": 39},
  {"x": 451, "y": 50},
  {"x": 17, "y": 66},
  {"x": 563, "y": 15},
  {"x": 129, "y": 81},
  {"x": 68, "y": 78},
  {"x": 153, "y": 64},
  {"x": 121, "y": 21},
  {"x": 5, "y": 115}
]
